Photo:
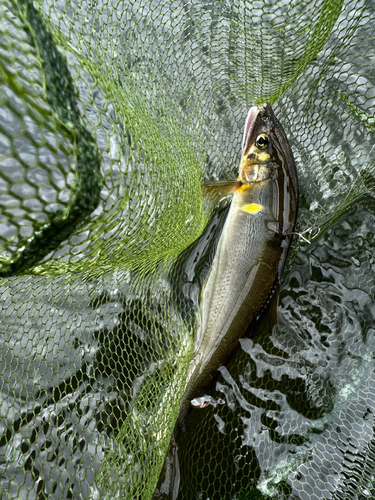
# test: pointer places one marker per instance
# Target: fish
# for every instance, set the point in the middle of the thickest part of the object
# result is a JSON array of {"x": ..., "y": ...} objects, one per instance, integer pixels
[{"x": 247, "y": 268}]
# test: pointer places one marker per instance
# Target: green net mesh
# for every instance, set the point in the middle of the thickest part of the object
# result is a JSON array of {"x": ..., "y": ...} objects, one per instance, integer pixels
[{"x": 113, "y": 113}]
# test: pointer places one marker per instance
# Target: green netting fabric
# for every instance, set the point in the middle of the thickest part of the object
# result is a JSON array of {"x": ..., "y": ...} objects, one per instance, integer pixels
[{"x": 112, "y": 114}]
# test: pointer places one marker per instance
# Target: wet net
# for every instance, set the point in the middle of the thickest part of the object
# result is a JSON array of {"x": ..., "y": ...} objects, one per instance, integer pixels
[{"x": 113, "y": 113}]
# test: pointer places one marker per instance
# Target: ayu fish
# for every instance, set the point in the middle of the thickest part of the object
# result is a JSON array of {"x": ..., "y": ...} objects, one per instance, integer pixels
[{"x": 251, "y": 254}]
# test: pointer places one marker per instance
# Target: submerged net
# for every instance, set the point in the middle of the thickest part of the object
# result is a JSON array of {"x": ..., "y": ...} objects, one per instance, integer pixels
[{"x": 112, "y": 115}]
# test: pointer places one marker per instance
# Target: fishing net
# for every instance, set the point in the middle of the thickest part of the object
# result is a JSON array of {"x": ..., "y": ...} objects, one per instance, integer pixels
[{"x": 113, "y": 113}]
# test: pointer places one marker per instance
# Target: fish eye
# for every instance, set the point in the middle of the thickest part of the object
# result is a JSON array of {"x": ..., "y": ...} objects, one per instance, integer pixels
[{"x": 262, "y": 141}]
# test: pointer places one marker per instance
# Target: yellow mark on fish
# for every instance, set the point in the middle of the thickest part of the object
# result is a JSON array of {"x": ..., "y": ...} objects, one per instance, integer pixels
[
  {"x": 252, "y": 208},
  {"x": 242, "y": 188},
  {"x": 263, "y": 157}
]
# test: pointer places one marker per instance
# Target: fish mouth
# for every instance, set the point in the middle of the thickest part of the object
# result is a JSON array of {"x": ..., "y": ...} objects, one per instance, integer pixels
[{"x": 254, "y": 112}]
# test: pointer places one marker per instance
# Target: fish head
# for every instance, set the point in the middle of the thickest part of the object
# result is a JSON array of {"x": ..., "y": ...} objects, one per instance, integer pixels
[{"x": 265, "y": 147}]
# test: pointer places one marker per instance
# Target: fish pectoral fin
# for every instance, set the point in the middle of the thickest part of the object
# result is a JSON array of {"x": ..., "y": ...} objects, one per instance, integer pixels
[
  {"x": 217, "y": 191},
  {"x": 205, "y": 283},
  {"x": 266, "y": 319}
]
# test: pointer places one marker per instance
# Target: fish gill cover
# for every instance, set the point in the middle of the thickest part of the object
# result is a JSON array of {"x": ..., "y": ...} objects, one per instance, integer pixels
[{"x": 112, "y": 115}]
